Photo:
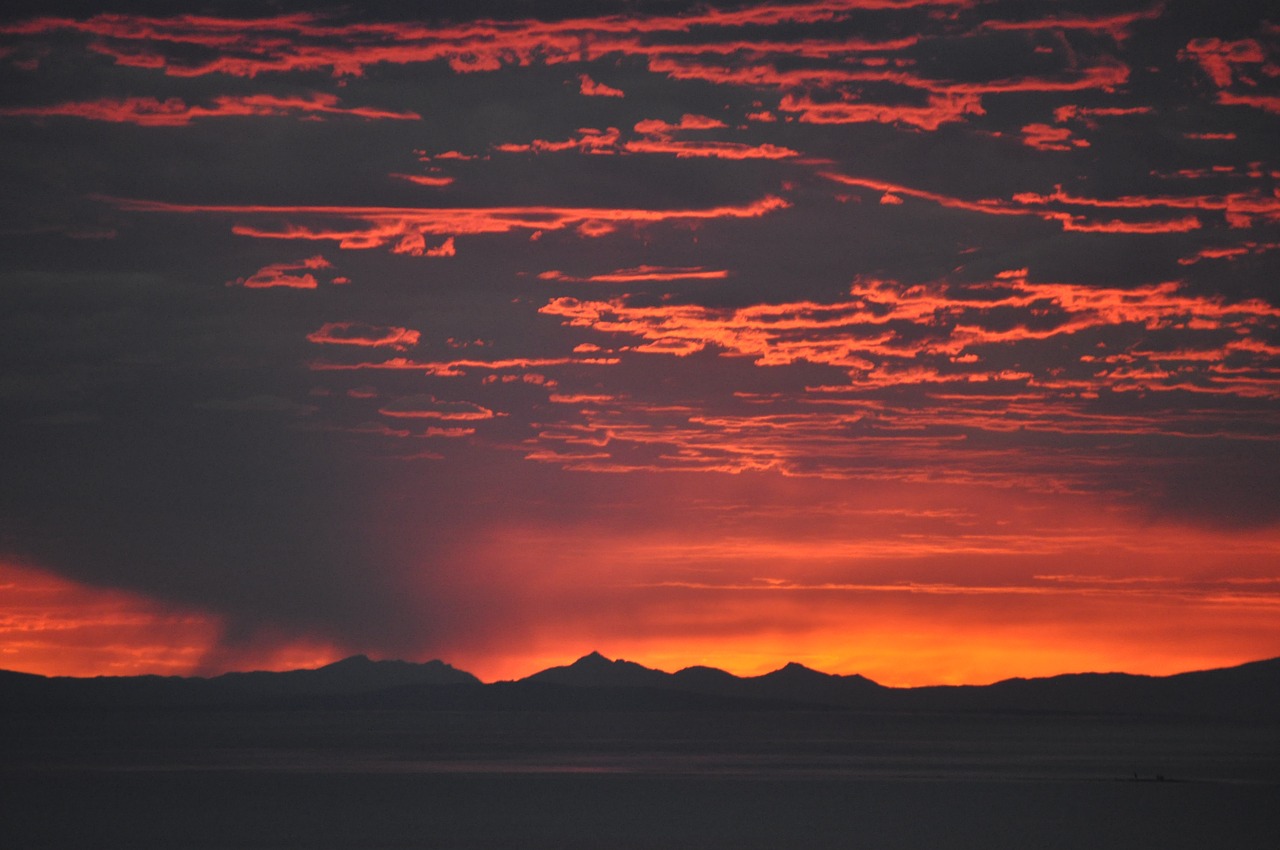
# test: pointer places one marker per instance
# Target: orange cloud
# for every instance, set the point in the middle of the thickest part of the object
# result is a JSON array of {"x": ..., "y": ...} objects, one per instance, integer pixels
[
  {"x": 862, "y": 334},
  {"x": 658, "y": 127},
  {"x": 1107, "y": 75},
  {"x": 684, "y": 46},
  {"x": 302, "y": 42},
  {"x": 1229, "y": 253},
  {"x": 1046, "y": 138},
  {"x": 641, "y": 273},
  {"x": 278, "y": 275},
  {"x": 1238, "y": 208},
  {"x": 717, "y": 150},
  {"x": 590, "y": 140},
  {"x": 674, "y": 46},
  {"x": 434, "y": 181},
  {"x": 366, "y": 336},
  {"x": 430, "y": 407},
  {"x": 941, "y": 109},
  {"x": 404, "y": 229},
  {"x": 447, "y": 248},
  {"x": 591, "y": 88},
  {"x": 657, "y": 140},
  {"x": 869, "y": 431}
]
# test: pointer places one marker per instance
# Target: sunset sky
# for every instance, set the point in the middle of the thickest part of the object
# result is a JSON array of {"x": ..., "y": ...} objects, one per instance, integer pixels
[{"x": 933, "y": 340}]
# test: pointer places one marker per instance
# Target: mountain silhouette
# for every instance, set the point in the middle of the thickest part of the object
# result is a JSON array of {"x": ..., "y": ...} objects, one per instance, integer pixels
[
  {"x": 594, "y": 670},
  {"x": 595, "y": 682},
  {"x": 1251, "y": 690},
  {"x": 355, "y": 675}
]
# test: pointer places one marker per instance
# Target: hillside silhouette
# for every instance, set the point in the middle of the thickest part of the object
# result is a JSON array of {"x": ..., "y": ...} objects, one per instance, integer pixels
[{"x": 594, "y": 683}]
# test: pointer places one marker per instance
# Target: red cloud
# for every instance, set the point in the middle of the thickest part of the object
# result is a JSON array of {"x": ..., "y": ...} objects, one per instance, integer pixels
[
  {"x": 368, "y": 336},
  {"x": 987, "y": 207},
  {"x": 658, "y": 127},
  {"x": 1265, "y": 102},
  {"x": 941, "y": 109},
  {"x": 658, "y": 140},
  {"x": 861, "y": 335},
  {"x": 303, "y": 42},
  {"x": 941, "y": 365},
  {"x": 1105, "y": 75},
  {"x": 456, "y": 368},
  {"x": 278, "y": 274},
  {"x": 1238, "y": 209},
  {"x": 174, "y": 112},
  {"x": 433, "y": 181},
  {"x": 590, "y": 140},
  {"x": 444, "y": 249},
  {"x": 684, "y": 46},
  {"x": 1229, "y": 253},
  {"x": 1116, "y": 25},
  {"x": 1045, "y": 138},
  {"x": 717, "y": 150},
  {"x": 671, "y": 45},
  {"x": 405, "y": 228},
  {"x": 1087, "y": 113},
  {"x": 591, "y": 88},
  {"x": 641, "y": 273},
  {"x": 1219, "y": 59},
  {"x": 430, "y": 407}
]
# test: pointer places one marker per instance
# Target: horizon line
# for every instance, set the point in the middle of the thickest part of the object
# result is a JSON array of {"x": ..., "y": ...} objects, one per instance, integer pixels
[{"x": 368, "y": 658}]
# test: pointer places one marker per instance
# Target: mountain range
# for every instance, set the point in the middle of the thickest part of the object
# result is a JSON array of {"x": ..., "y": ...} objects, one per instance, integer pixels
[{"x": 594, "y": 682}]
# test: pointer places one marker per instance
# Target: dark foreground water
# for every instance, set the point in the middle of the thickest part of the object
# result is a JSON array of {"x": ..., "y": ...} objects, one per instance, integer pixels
[{"x": 644, "y": 780}]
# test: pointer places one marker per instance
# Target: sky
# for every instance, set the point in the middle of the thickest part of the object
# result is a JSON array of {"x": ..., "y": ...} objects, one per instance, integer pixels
[{"x": 932, "y": 340}]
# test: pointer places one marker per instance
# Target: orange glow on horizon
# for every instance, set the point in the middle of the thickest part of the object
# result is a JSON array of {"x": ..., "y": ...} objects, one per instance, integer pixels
[
  {"x": 909, "y": 595},
  {"x": 893, "y": 633},
  {"x": 915, "y": 659},
  {"x": 53, "y": 626}
]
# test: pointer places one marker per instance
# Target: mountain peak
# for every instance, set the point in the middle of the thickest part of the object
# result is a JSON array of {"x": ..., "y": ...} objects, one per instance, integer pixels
[
  {"x": 795, "y": 668},
  {"x": 593, "y": 658},
  {"x": 595, "y": 669},
  {"x": 364, "y": 672},
  {"x": 349, "y": 662}
]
